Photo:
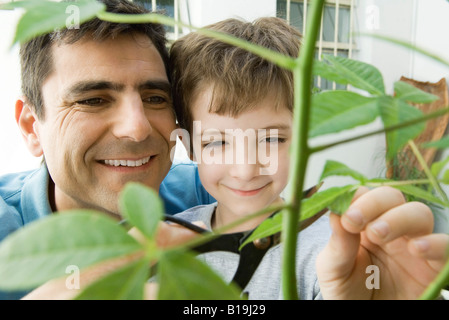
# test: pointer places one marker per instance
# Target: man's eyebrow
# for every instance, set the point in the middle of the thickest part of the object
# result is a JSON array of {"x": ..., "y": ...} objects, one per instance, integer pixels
[
  {"x": 156, "y": 84},
  {"x": 87, "y": 86}
]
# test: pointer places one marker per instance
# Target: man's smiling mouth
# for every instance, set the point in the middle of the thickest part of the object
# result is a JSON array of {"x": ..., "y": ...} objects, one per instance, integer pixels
[{"x": 126, "y": 163}]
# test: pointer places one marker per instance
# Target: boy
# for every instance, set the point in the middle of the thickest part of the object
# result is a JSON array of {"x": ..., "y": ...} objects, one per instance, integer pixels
[
  {"x": 222, "y": 93},
  {"x": 238, "y": 94}
]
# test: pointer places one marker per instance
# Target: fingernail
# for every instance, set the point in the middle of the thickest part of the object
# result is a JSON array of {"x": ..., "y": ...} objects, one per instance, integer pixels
[
  {"x": 421, "y": 245},
  {"x": 354, "y": 216},
  {"x": 381, "y": 228}
]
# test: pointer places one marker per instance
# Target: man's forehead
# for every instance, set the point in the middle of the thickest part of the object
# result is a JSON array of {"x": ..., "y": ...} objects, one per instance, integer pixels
[
  {"x": 128, "y": 58},
  {"x": 87, "y": 49}
]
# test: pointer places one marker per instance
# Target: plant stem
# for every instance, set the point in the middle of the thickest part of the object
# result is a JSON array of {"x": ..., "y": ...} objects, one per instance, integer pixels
[
  {"x": 210, "y": 236},
  {"x": 424, "y": 118},
  {"x": 397, "y": 183},
  {"x": 434, "y": 289},
  {"x": 300, "y": 150},
  {"x": 432, "y": 179},
  {"x": 270, "y": 55}
]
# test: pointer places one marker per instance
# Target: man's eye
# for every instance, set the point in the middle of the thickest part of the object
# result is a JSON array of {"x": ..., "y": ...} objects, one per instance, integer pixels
[
  {"x": 91, "y": 102},
  {"x": 156, "y": 100}
]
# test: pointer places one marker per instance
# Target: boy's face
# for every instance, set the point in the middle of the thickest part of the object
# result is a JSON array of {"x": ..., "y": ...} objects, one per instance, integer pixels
[{"x": 243, "y": 161}]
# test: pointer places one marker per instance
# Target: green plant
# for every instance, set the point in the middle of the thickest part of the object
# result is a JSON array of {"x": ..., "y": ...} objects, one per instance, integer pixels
[{"x": 22, "y": 264}]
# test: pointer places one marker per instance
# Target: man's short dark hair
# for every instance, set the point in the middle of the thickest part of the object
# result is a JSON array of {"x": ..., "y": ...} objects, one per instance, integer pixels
[{"x": 36, "y": 55}]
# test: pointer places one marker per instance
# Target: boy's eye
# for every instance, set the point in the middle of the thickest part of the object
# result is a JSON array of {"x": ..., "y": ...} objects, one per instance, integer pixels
[
  {"x": 274, "y": 140},
  {"x": 214, "y": 144}
]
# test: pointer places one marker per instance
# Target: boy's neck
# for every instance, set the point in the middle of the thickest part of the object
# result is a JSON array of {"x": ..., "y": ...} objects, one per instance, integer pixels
[{"x": 223, "y": 217}]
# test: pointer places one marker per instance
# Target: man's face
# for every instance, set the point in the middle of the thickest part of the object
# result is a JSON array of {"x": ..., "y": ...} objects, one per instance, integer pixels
[{"x": 108, "y": 120}]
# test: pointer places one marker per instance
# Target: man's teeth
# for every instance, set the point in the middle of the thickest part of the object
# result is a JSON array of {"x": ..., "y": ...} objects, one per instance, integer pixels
[{"x": 127, "y": 163}]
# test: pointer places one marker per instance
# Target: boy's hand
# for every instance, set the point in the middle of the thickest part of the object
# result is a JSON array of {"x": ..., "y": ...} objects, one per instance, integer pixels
[{"x": 381, "y": 229}]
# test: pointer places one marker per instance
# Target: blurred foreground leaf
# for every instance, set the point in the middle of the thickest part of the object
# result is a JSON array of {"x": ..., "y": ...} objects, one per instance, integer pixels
[
  {"x": 42, "y": 16},
  {"x": 42, "y": 250}
]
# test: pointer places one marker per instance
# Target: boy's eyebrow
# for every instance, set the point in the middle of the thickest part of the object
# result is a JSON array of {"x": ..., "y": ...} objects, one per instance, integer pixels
[
  {"x": 277, "y": 127},
  {"x": 280, "y": 127}
]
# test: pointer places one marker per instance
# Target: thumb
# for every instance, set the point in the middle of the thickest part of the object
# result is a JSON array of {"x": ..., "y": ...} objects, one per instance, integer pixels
[{"x": 337, "y": 259}]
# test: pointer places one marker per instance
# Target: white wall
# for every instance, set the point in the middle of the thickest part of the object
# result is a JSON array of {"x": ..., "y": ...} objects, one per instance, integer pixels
[
  {"x": 204, "y": 12},
  {"x": 13, "y": 155}
]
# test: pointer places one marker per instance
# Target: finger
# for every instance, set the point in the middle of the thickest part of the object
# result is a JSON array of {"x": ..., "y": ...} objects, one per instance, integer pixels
[
  {"x": 360, "y": 191},
  {"x": 169, "y": 235},
  {"x": 431, "y": 247},
  {"x": 411, "y": 219},
  {"x": 341, "y": 250},
  {"x": 151, "y": 290},
  {"x": 136, "y": 234},
  {"x": 370, "y": 205}
]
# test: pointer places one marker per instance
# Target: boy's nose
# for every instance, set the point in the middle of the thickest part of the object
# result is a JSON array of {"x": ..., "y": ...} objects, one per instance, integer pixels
[
  {"x": 131, "y": 121},
  {"x": 244, "y": 171}
]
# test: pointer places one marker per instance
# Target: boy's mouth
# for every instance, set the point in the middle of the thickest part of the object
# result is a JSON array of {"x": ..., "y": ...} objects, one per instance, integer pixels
[{"x": 249, "y": 192}]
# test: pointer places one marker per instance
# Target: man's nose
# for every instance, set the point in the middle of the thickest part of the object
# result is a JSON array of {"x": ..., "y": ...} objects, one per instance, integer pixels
[{"x": 131, "y": 121}]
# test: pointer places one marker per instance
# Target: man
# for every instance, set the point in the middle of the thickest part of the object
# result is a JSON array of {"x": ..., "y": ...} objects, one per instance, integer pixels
[{"x": 97, "y": 107}]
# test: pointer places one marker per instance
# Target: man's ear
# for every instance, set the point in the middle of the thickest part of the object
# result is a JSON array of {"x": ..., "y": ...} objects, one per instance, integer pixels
[{"x": 26, "y": 120}]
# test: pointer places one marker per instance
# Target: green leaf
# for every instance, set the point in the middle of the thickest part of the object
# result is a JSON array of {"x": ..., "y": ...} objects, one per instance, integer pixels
[
  {"x": 142, "y": 207},
  {"x": 407, "y": 92},
  {"x": 42, "y": 250},
  {"x": 445, "y": 178},
  {"x": 334, "y": 168},
  {"x": 335, "y": 111},
  {"x": 42, "y": 16},
  {"x": 395, "y": 111},
  {"x": 347, "y": 71},
  {"x": 182, "y": 276},
  {"x": 341, "y": 204},
  {"x": 309, "y": 207},
  {"x": 126, "y": 283},
  {"x": 420, "y": 193},
  {"x": 438, "y": 166},
  {"x": 443, "y": 143}
]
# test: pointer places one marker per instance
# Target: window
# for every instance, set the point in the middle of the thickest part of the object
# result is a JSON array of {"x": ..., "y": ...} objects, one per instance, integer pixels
[
  {"x": 168, "y": 7},
  {"x": 336, "y": 29}
]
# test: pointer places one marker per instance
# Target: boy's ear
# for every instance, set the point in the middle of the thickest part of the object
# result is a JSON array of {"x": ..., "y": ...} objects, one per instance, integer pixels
[{"x": 26, "y": 120}]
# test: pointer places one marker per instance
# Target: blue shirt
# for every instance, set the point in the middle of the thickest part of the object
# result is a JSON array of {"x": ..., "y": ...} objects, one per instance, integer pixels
[{"x": 24, "y": 198}]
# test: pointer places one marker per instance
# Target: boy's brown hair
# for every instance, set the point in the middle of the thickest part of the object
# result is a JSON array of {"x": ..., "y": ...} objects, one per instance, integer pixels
[
  {"x": 36, "y": 54},
  {"x": 239, "y": 79}
]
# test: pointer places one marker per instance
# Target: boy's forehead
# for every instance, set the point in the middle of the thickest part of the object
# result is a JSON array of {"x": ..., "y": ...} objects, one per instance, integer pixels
[
  {"x": 261, "y": 116},
  {"x": 208, "y": 100}
]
